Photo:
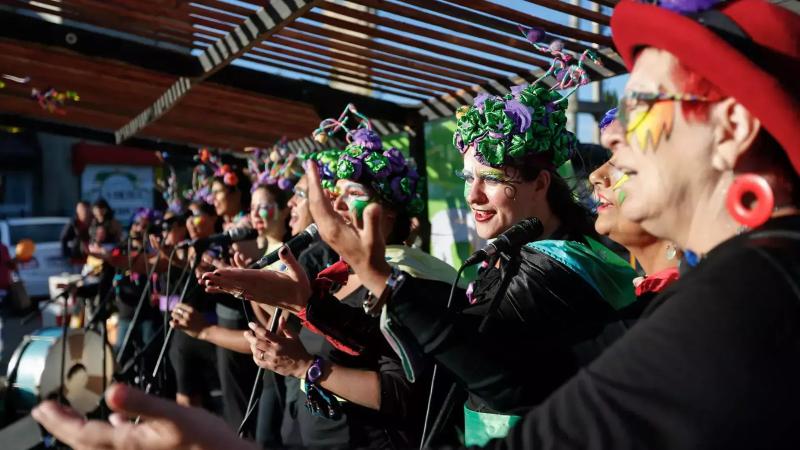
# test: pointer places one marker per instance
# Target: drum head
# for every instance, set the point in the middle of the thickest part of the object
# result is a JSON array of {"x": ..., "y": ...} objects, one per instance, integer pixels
[{"x": 83, "y": 372}]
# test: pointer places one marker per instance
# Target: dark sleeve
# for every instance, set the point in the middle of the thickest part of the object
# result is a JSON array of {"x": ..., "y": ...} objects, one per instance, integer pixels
[
  {"x": 67, "y": 235},
  {"x": 546, "y": 308},
  {"x": 400, "y": 398},
  {"x": 345, "y": 325},
  {"x": 715, "y": 365}
]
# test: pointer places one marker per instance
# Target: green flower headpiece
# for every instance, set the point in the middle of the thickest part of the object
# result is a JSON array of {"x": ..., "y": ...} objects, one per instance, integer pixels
[
  {"x": 530, "y": 122},
  {"x": 388, "y": 172}
]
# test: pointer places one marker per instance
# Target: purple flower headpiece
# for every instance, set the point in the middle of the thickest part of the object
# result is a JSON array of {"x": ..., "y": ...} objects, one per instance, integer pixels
[{"x": 281, "y": 167}]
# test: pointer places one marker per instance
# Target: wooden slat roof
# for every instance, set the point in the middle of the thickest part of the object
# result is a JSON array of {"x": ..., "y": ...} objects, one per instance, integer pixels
[{"x": 427, "y": 55}]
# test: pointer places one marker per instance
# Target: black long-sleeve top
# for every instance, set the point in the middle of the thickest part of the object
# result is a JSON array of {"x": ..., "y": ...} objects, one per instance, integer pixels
[
  {"x": 542, "y": 332},
  {"x": 714, "y": 363}
]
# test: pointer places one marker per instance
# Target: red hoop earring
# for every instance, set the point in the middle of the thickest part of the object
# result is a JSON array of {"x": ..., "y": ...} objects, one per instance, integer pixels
[{"x": 760, "y": 210}]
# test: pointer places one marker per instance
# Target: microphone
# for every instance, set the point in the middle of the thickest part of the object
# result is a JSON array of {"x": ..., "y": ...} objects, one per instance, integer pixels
[
  {"x": 524, "y": 231},
  {"x": 223, "y": 239},
  {"x": 296, "y": 244}
]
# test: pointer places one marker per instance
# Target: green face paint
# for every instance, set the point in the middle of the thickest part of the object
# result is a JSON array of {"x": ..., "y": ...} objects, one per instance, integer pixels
[
  {"x": 356, "y": 198},
  {"x": 357, "y": 205},
  {"x": 620, "y": 197}
]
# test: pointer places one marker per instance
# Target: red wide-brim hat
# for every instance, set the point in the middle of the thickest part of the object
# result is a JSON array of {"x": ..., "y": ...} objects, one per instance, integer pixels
[{"x": 751, "y": 51}]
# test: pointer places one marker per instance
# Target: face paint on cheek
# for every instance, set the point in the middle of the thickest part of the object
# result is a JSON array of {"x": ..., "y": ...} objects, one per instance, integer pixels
[
  {"x": 267, "y": 212},
  {"x": 357, "y": 205},
  {"x": 648, "y": 127},
  {"x": 618, "y": 188}
]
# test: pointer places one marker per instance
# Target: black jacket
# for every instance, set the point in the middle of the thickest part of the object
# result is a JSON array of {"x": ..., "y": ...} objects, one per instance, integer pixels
[
  {"x": 542, "y": 332},
  {"x": 713, "y": 364}
]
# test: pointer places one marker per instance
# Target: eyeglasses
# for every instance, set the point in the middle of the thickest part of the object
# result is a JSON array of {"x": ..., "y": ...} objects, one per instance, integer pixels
[
  {"x": 301, "y": 193},
  {"x": 634, "y": 106}
]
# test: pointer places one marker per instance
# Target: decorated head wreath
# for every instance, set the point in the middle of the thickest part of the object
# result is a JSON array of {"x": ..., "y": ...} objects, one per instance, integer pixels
[
  {"x": 277, "y": 166},
  {"x": 219, "y": 170},
  {"x": 393, "y": 177},
  {"x": 202, "y": 177},
  {"x": 169, "y": 187},
  {"x": 530, "y": 121},
  {"x": 147, "y": 214}
]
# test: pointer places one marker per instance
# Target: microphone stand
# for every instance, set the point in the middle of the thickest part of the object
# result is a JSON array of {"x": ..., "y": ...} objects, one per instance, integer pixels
[
  {"x": 137, "y": 313},
  {"x": 168, "y": 337},
  {"x": 508, "y": 271},
  {"x": 98, "y": 319},
  {"x": 251, "y": 404}
]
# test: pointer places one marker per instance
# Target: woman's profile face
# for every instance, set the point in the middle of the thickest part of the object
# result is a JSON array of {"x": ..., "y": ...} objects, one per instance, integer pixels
[
  {"x": 497, "y": 200},
  {"x": 98, "y": 213},
  {"x": 300, "y": 214},
  {"x": 264, "y": 211},
  {"x": 200, "y": 224},
  {"x": 607, "y": 181},
  {"x": 223, "y": 200},
  {"x": 82, "y": 212},
  {"x": 667, "y": 162}
]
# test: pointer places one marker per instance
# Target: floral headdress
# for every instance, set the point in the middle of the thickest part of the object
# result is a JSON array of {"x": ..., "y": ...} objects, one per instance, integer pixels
[
  {"x": 149, "y": 214},
  {"x": 281, "y": 167},
  {"x": 530, "y": 121},
  {"x": 393, "y": 177},
  {"x": 169, "y": 187},
  {"x": 202, "y": 177}
]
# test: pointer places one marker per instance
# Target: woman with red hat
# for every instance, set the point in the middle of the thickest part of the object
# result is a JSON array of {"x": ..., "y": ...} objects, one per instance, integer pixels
[{"x": 710, "y": 112}]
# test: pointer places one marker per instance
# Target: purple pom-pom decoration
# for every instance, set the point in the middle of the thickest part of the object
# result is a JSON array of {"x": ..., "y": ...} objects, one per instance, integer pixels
[
  {"x": 367, "y": 138},
  {"x": 533, "y": 34},
  {"x": 284, "y": 184}
]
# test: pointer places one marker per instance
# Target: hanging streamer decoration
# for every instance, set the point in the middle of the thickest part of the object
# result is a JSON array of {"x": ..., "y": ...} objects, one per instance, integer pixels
[
  {"x": 53, "y": 101},
  {"x": 393, "y": 177}
]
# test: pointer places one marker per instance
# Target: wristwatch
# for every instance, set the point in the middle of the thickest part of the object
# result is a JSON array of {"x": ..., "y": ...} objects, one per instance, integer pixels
[
  {"x": 314, "y": 372},
  {"x": 372, "y": 305}
]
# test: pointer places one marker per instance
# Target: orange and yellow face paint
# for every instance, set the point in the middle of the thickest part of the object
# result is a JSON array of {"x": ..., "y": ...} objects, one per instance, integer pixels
[{"x": 648, "y": 126}]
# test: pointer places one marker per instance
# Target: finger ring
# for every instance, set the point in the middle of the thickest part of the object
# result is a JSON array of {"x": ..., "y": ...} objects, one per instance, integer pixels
[{"x": 261, "y": 356}]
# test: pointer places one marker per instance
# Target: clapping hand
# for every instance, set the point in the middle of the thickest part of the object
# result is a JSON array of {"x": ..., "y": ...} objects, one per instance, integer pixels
[{"x": 281, "y": 352}]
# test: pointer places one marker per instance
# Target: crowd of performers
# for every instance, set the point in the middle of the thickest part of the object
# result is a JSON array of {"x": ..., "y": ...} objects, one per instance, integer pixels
[{"x": 557, "y": 344}]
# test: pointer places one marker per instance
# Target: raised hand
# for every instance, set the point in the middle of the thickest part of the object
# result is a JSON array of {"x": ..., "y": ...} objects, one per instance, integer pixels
[
  {"x": 359, "y": 242},
  {"x": 281, "y": 352},
  {"x": 165, "y": 425}
]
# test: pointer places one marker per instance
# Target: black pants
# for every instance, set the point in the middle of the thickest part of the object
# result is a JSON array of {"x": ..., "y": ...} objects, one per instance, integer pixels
[
  {"x": 237, "y": 372},
  {"x": 270, "y": 410}
]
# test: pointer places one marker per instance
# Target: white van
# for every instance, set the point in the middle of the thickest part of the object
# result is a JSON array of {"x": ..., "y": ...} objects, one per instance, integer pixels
[{"x": 45, "y": 232}]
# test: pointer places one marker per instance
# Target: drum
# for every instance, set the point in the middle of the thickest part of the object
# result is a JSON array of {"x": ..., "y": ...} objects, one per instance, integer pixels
[{"x": 35, "y": 369}]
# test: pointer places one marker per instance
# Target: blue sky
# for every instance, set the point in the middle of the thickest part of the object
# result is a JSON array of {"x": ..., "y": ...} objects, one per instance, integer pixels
[{"x": 585, "y": 122}]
